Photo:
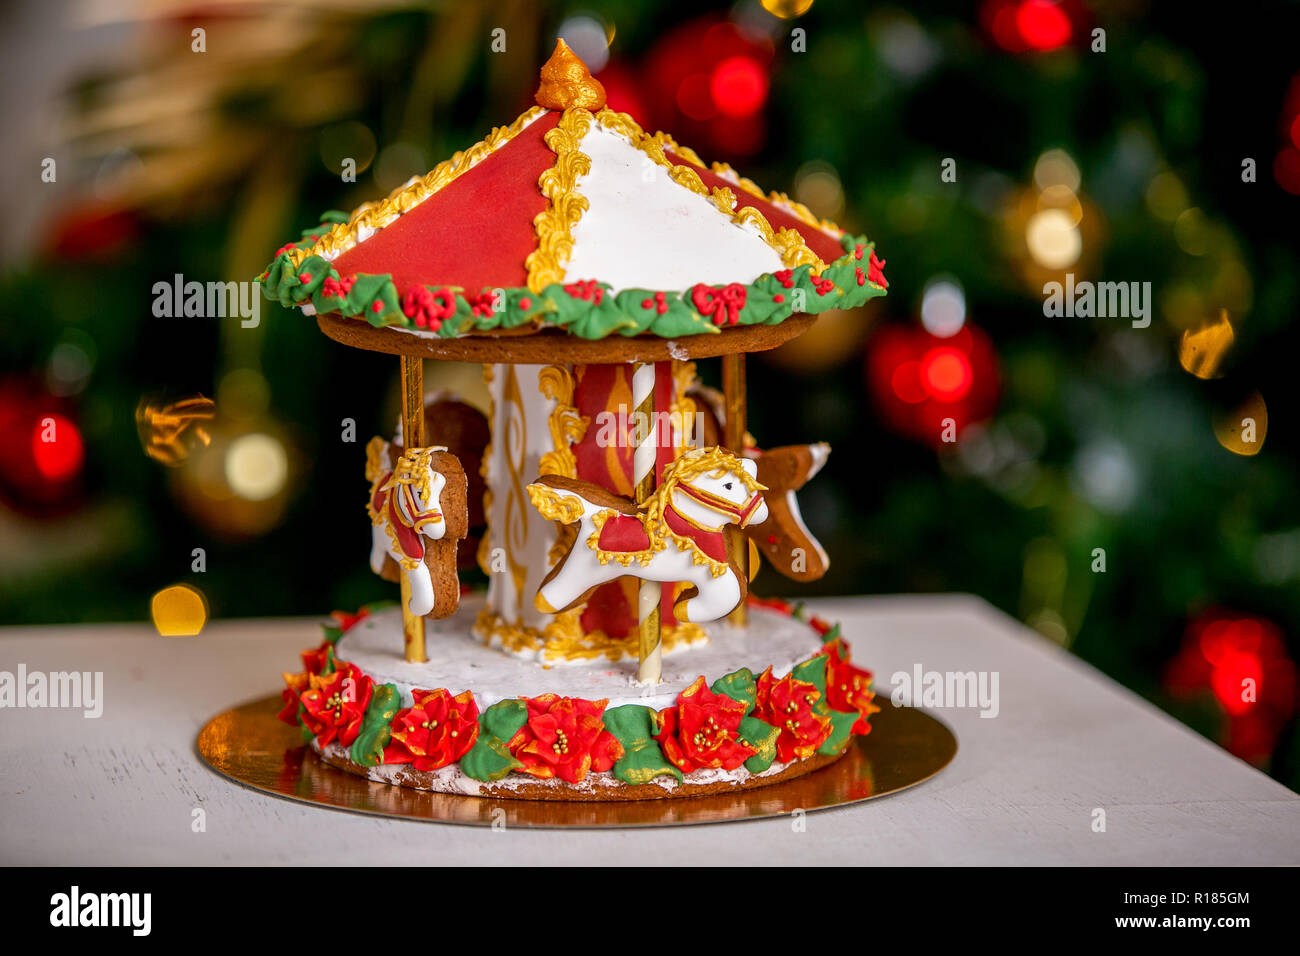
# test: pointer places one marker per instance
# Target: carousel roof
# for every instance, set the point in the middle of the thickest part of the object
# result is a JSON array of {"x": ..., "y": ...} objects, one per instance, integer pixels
[{"x": 574, "y": 217}]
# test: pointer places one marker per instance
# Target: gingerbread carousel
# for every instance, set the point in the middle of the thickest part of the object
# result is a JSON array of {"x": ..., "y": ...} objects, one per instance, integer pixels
[{"x": 618, "y": 507}]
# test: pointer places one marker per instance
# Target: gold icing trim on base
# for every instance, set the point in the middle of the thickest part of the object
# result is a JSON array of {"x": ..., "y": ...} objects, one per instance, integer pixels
[{"x": 564, "y": 639}]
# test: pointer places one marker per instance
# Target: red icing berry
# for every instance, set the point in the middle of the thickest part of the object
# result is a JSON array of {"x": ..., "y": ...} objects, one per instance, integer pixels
[
  {"x": 861, "y": 276},
  {"x": 305, "y": 278},
  {"x": 377, "y": 306},
  {"x": 525, "y": 303},
  {"x": 778, "y": 298},
  {"x": 646, "y": 303},
  {"x": 857, "y": 252}
]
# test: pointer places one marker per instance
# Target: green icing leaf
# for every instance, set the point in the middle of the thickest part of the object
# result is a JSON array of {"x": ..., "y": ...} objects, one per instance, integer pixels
[
  {"x": 841, "y": 731},
  {"x": 631, "y": 723},
  {"x": 738, "y": 685},
  {"x": 368, "y": 748},
  {"x": 832, "y": 635},
  {"x": 760, "y": 735},
  {"x": 643, "y": 763},
  {"x": 503, "y": 719},
  {"x": 489, "y": 758},
  {"x": 634, "y": 727},
  {"x": 332, "y": 632},
  {"x": 813, "y": 671}
]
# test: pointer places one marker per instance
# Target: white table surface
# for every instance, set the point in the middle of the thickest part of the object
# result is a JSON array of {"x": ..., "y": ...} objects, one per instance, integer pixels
[{"x": 1022, "y": 789}]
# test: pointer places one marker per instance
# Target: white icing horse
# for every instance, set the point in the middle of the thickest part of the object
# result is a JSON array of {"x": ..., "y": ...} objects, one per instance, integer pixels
[
  {"x": 404, "y": 510},
  {"x": 676, "y": 536}
]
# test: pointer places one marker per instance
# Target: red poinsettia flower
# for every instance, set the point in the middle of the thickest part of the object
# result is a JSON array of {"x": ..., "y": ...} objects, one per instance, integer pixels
[
  {"x": 335, "y": 703},
  {"x": 848, "y": 688},
  {"x": 436, "y": 730},
  {"x": 775, "y": 604},
  {"x": 564, "y": 737},
  {"x": 703, "y": 730},
  {"x": 314, "y": 659},
  {"x": 346, "y": 621},
  {"x": 788, "y": 704},
  {"x": 295, "y": 684}
]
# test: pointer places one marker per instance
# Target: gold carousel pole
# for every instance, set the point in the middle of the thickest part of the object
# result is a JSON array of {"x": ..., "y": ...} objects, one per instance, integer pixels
[
  {"x": 412, "y": 437},
  {"x": 733, "y": 390},
  {"x": 645, "y": 459}
]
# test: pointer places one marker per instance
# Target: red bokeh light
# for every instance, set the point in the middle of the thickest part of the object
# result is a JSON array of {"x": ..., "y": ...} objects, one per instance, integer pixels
[
  {"x": 1286, "y": 169},
  {"x": 919, "y": 381},
  {"x": 738, "y": 86},
  {"x": 1242, "y": 661},
  {"x": 946, "y": 373},
  {"x": 56, "y": 448},
  {"x": 1042, "y": 25},
  {"x": 1023, "y": 26},
  {"x": 1295, "y": 131},
  {"x": 695, "y": 97}
]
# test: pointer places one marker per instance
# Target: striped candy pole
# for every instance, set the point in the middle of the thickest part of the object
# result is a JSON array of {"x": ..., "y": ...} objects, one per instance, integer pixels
[
  {"x": 412, "y": 437},
  {"x": 733, "y": 390},
  {"x": 644, "y": 460}
]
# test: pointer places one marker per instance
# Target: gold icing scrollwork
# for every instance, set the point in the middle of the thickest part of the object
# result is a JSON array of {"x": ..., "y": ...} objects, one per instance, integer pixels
[{"x": 554, "y": 225}]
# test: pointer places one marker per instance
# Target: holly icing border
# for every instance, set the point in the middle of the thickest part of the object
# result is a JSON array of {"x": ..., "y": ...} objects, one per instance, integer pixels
[
  {"x": 586, "y": 308},
  {"x": 495, "y": 739}
]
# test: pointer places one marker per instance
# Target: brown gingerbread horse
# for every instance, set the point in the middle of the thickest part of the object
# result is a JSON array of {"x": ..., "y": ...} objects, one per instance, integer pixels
[
  {"x": 783, "y": 539},
  {"x": 418, "y": 513}
]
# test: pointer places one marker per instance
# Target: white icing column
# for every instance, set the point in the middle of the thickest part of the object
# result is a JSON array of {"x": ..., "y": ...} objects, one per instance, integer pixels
[{"x": 519, "y": 538}]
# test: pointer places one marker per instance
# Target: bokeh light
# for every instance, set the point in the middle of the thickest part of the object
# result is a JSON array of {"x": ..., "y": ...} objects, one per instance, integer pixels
[
  {"x": 588, "y": 38},
  {"x": 1056, "y": 167},
  {"x": 256, "y": 466},
  {"x": 943, "y": 308},
  {"x": 179, "y": 611},
  {"x": 738, "y": 86},
  {"x": 1054, "y": 241},
  {"x": 57, "y": 448},
  {"x": 787, "y": 9},
  {"x": 946, "y": 374},
  {"x": 1243, "y": 429},
  {"x": 1201, "y": 351}
]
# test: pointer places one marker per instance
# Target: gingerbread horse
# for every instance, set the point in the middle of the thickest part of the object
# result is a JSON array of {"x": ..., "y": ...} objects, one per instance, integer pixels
[
  {"x": 783, "y": 538},
  {"x": 676, "y": 536},
  {"x": 418, "y": 514}
]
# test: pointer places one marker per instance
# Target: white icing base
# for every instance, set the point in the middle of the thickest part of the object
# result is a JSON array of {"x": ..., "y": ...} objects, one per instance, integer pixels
[{"x": 459, "y": 661}]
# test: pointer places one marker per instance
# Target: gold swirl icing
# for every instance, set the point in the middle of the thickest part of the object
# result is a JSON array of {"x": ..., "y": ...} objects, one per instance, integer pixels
[
  {"x": 554, "y": 224},
  {"x": 564, "y": 639}
]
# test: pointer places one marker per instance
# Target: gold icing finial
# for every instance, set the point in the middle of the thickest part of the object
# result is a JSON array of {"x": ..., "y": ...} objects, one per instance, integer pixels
[{"x": 566, "y": 82}]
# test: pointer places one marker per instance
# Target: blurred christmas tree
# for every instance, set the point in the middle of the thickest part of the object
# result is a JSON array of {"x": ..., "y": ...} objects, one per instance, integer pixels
[{"x": 1090, "y": 475}]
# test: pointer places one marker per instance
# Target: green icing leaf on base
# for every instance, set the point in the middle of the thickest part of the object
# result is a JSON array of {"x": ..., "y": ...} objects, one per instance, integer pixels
[
  {"x": 376, "y": 729},
  {"x": 489, "y": 758},
  {"x": 738, "y": 685},
  {"x": 760, "y": 735},
  {"x": 634, "y": 727},
  {"x": 841, "y": 731}
]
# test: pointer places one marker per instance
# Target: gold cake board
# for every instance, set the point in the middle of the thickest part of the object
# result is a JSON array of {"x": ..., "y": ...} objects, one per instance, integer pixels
[{"x": 251, "y": 746}]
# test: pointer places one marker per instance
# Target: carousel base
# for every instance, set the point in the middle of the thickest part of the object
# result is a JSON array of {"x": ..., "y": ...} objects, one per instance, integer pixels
[
  {"x": 249, "y": 745},
  {"x": 460, "y": 660}
]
